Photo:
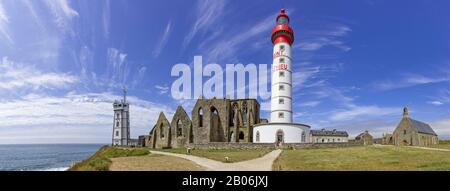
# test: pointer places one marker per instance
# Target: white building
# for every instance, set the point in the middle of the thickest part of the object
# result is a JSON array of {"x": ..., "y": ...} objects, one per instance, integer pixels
[{"x": 281, "y": 129}]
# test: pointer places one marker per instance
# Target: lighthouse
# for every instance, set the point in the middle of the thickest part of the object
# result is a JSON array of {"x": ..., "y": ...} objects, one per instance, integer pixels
[
  {"x": 281, "y": 128},
  {"x": 282, "y": 39}
]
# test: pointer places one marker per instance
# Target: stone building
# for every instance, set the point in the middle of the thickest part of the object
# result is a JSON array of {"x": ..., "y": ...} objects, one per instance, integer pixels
[
  {"x": 413, "y": 133},
  {"x": 365, "y": 138},
  {"x": 387, "y": 139},
  {"x": 213, "y": 120},
  {"x": 328, "y": 136},
  {"x": 121, "y": 123}
]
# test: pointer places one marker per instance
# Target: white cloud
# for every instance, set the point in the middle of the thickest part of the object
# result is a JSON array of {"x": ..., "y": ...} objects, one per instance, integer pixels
[
  {"x": 410, "y": 80},
  {"x": 117, "y": 70},
  {"x": 106, "y": 17},
  {"x": 366, "y": 111},
  {"x": 16, "y": 75},
  {"x": 225, "y": 48},
  {"x": 162, "y": 89},
  {"x": 442, "y": 128},
  {"x": 63, "y": 13},
  {"x": 310, "y": 104},
  {"x": 4, "y": 21},
  {"x": 437, "y": 103},
  {"x": 208, "y": 12},
  {"x": 86, "y": 115},
  {"x": 162, "y": 43},
  {"x": 316, "y": 39},
  {"x": 300, "y": 77}
]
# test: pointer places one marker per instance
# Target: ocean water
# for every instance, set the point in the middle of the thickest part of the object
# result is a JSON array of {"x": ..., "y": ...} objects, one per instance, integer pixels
[{"x": 43, "y": 157}]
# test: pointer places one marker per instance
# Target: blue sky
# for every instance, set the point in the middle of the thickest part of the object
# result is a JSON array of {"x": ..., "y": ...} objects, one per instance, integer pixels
[{"x": 356, "y": 63}]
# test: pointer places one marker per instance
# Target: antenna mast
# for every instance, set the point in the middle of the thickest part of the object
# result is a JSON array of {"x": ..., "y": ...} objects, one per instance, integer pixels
[{"x": 124, "y": 88}]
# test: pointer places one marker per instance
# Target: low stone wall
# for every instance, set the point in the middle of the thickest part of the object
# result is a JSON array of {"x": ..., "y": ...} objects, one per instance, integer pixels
[{"x": 218, "y": 145}]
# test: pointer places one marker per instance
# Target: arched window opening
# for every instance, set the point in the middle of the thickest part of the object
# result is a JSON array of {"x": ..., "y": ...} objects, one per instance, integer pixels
[
  {"x": 241, "y": 135},
  {"x": 303, "y": 137},
  {"x": 257, "y": 136},
  {"x": 161, "y": 131},
  {"x": 179, "y": 128},
  {"x": 200, "y": 117}
]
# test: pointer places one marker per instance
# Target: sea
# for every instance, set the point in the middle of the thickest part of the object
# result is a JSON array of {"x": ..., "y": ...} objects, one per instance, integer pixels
[{"x": 43, "y": 157}]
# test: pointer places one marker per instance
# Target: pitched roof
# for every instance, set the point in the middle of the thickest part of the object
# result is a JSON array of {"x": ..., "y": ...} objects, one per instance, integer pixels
[
  {"x": 422, "y": 127},
  {"x": 329, "y": 133}
]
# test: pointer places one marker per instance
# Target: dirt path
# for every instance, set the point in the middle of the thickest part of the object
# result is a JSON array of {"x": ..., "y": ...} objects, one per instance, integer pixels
[
  {"x": 259, "y": 164},
  {"x": 430, "y": 148}
]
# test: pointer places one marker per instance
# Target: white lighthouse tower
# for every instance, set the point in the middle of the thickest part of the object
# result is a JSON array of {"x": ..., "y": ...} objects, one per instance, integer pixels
[
  {"x": 281, "y": 128},
  {"x": 282, "y": 39}
]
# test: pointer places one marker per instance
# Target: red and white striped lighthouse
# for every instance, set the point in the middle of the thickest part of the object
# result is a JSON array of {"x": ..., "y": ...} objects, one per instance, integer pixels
[
  {"x": 282, "y": 39},
  {"x": 281, "y": 128}
]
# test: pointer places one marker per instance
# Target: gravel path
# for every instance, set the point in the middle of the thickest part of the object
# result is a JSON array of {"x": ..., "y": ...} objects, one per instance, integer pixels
[{"x": 259, "y": 164}]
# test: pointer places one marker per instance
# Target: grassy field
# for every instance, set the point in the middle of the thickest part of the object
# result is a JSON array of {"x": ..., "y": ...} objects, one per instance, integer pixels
[
  {"x": 101, "y": 160},
  {"x": 153, "y": 162},
  {"x": 384, "y": 158},
  {"x": 443, "y": 144},
  {"x": 234, "y": 155}
]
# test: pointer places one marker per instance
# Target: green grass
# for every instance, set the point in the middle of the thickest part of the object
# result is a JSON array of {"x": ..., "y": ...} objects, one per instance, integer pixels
[
  {"x": 443, "y": 144},
  {"x": 234, "y": 155},
  {"x": 385, "y": 158},
  {"x": 100, "y": 160}
]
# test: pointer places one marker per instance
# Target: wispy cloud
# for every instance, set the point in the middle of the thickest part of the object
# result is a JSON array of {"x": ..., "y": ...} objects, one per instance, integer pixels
[
  {"x": 117, "y": 70},
  {"x": 4, "y": 21},
  {"x": 162, "y": 43},
  {"x": 162, "y": 89},
  {"x": 357, "y": 111},
  {"x": 208, "y": 12},
  {"x": 409, "y": 80},
  {"x": 16, "y": 75},
  {"x": 310, "y": 104},
  {"x": 63, "y": 13},
  {"x": 329, "y": 36},
  {"x": 437, "y": 103},
  {"x": 226, "y": 48},
  {"x": 106, "y": 16}
]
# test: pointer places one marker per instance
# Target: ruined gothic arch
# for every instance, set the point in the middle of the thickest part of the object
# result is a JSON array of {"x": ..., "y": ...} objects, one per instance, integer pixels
[{"x": 200, "y": 117}]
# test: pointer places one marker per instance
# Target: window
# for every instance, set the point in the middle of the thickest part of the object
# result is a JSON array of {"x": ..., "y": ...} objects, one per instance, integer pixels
[
  {"x": 117, "y": 133},
  {"x": 281, "y": 88},
  {"x": 303, "y": 137},
  {"x": 339, "y": 140},
  {"x": 281, "y": 74},
  {"x": 117, "y": 124},
  {"x": 200, "y": 117},
  {"x": 281, "y": 60},
  {"x": 282, "y": 47},
  {"x": 281, "y": 101},
  {"x": 280, "y": 115},
  {"x": 118, "y": 115},
  {"x": 257, "y": 136},
  {"x": 404, "y": 132},
  {"x": 161, "y": 131},
  {"x": 179, "y": 128},
  {"x": 241, "y": 135}
]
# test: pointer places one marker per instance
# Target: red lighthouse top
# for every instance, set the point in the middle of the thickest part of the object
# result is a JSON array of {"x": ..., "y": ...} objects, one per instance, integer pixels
[{"x": 282, "y": 32}]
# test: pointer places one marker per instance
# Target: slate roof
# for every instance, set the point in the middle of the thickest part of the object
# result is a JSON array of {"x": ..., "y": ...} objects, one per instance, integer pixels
[
  {"x": 329, "y": 133},
  {"x": 422, "y": 127}
]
